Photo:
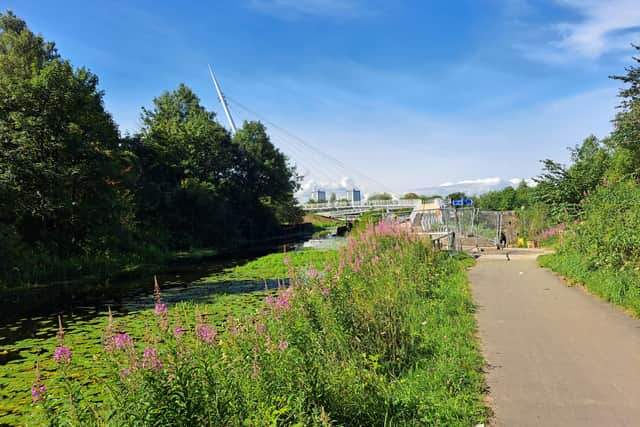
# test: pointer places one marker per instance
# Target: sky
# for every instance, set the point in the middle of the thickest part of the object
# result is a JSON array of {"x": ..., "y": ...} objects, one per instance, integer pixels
[{"x": 389, "y": 96}]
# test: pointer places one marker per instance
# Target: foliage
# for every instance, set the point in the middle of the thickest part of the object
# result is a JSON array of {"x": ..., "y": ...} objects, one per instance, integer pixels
[
  {"x": 380, "y": 196},
  {"x": 507, "y": 199},
  {"x": 382, "y": 336},
  {"x": 562, "y": 189},
  {"x": 73, "y": 192}
]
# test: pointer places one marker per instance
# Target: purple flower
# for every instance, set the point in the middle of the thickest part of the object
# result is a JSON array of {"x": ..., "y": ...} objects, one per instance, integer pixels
[
  {"x": 124, "y": 373},
  {"x": 260, "y": 328},
  {"x": 283, "y": 303},
  {"x": 287, "y": 260},
  {"x": 283, "y": 345},
  {"x": 313, "y": 273},
  {"x": 122, "y": 340},
  {"x": 206, "y": 333},
  {"x": 324, "y": 292},
  {"x": 178, "y": 332},
  {"x": 270, "y": 300},
  {"x": 161, "y": 309},
  {"x": 62, "y": 355},
  {"x": 38, "y": 392},
  {"x": 327, "y": 267},
  {"x": 150, "y": 359}
]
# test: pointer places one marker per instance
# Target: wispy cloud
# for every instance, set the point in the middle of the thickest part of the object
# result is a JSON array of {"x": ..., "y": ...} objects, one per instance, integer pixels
[
  {"x": 294, "y": 8},
  {"x": 600, "y": 27},
  {"x": 605, "y": 25}
]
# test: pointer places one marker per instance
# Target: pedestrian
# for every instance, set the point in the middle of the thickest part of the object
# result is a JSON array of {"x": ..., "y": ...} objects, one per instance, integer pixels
[{"x": 503, "y": 240}]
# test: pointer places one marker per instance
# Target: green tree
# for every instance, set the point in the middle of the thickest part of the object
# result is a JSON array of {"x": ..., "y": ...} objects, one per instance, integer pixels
[
  {"x": 61, "y": 166},
  {"x": 273, "y": 180},
  {"x": 380, "y": 196},
  {"x": 411, "y": 196},
  {"x": 562, "y": 189}
]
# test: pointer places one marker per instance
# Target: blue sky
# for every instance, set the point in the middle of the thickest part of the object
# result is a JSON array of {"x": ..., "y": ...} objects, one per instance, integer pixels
[{"x": 404, "y": 94}]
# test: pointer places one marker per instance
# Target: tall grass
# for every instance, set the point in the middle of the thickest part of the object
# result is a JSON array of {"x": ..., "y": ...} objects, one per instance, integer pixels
[{"x": 382, "y": 335}]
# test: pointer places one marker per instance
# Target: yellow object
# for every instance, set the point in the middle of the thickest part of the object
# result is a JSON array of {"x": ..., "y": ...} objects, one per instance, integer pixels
[{"x": 520, "y": 242}]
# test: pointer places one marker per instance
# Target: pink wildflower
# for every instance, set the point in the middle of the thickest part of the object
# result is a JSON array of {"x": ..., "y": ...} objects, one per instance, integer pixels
[
  {"x": 283, "y": 303},
  {"x": 283, "y": 345},
  {"x": 313, "y": 273},
  {"x": 178, "y": 331},
  {"x": 150, "y": 359},
  {"x": 62, "y": 355},
  {"x": 260, "y": 328},
  {"x": 206, "y": 333},
  {"x": 375, "y": 259},
  {"x": 38, "y": 389},
  {"x": 287, "y": 260},
  {"x": 327, "y": 267},
  {"x": 124, "y": 373},
  {"x": 122, "y": 340},
  {"x": 324, "y": 292},
  {"x": 38, "y": 392},
  {"x": 161, "y": 309}
]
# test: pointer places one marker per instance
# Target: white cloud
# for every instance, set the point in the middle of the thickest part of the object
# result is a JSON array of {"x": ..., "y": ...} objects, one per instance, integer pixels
[
  {"x": 600, "y": 27},
  {"x": 480, "y": 181},
  {"x": 606, "y": 25},
  {"x": 292, "y": 8}
]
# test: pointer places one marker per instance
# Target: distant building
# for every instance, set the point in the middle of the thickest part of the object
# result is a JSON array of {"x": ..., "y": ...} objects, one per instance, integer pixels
[
  {"x": 353, "y": 195},
  {"x": 319, "y": 196}
]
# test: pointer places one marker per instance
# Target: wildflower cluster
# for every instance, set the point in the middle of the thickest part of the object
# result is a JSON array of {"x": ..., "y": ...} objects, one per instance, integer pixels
[{"x": 305, "y": 355}]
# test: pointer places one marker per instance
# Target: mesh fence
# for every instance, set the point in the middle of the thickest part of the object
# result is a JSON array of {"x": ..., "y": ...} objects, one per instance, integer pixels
[{"x": 472, "y": 226}]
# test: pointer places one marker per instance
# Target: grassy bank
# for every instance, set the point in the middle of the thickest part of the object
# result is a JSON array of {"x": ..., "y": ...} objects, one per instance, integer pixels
[
  {"x": 619, "y": 287},
  {"x": 381, "y": 334}
]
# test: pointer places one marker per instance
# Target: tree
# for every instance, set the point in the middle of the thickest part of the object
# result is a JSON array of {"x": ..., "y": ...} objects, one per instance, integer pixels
[
  {"x": 273, "y": 180},
  {"x": 380, "y": 196},
  {"x": 61, "y": 166},
  {"x": 189, "y": 172},
  {"x": 411, "y": 196},
  {"x": 562, "y": 189}
]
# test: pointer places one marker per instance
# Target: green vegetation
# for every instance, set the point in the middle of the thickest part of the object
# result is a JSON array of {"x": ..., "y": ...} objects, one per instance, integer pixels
[
  {"x": 218, "y": 296},
  {"x": 77, "y": 199},
  {"x": 380, "y": 196},
  {"x": 273, "y": 266},
  {"x": 598, "y": 198},
  {"x": 507, "y": 199},
  {"x": 382, "y": 335}
]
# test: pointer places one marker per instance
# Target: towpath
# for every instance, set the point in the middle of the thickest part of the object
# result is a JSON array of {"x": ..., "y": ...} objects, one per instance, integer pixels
[{"x": 556, "y": 355}]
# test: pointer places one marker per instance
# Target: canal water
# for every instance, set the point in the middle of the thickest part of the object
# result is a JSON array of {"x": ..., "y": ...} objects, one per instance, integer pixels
[{"x": 28, "y": 323}]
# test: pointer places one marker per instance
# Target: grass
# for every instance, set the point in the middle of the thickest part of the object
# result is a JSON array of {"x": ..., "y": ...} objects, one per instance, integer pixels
[{"x": 619, "y": 287}]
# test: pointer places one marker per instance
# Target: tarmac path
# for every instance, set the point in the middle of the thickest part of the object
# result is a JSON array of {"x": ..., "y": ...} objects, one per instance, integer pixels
[{"x": 556, "y": 355}]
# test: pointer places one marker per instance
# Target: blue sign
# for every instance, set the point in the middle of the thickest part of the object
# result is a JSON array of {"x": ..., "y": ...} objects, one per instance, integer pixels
[
  {"x": 468, "y": 202},
  {"x": 458, "y": 202}
]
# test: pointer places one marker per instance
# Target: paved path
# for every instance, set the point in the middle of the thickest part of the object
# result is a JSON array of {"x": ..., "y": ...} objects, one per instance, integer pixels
[{"x": 557, "y": 356}]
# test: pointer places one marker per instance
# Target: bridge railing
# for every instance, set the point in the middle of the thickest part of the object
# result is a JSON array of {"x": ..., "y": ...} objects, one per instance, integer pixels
[{"x": 409, "y": 203}]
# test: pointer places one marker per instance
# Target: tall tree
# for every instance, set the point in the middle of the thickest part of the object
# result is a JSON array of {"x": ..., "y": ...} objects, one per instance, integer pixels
[
  {"x": 60, "y": 165},
  {"x": 273, "y": 180}
]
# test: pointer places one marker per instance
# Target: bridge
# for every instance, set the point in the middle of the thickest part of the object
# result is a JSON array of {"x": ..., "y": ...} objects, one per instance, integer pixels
[{"x": 345, "y": 208}]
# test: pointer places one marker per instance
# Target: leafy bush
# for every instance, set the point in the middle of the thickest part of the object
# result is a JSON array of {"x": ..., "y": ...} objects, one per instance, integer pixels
[{"x": 382, "y": 335}]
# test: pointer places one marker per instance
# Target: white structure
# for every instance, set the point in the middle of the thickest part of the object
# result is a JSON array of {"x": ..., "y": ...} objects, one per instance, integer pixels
[
  {"x": 319, "y": 196},
  {"x": 353, "y": 196},
  {"x": 223, "y": 101}
]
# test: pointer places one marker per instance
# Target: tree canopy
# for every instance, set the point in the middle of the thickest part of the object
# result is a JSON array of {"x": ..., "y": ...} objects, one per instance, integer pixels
[{"x": 71, "y": 188}]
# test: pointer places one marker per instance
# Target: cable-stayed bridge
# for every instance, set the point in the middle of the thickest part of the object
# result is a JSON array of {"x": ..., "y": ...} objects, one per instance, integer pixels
[
  {"x": 343, "y": 209},
  {"x": 319, "y": 169}
]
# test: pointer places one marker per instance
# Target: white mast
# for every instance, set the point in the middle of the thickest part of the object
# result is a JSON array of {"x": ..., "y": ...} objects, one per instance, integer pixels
[{"x": 223, "y": 101}]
